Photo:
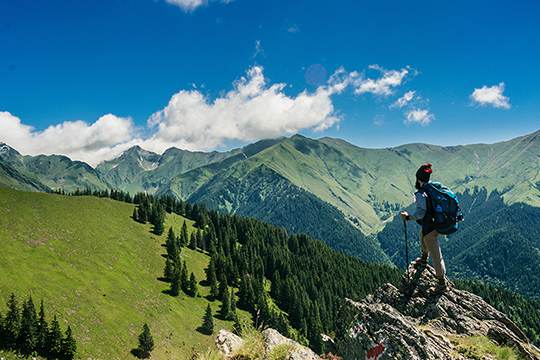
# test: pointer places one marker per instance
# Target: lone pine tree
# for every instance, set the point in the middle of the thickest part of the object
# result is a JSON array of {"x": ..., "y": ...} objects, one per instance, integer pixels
[
  {"x": 208, "y": 321},
  {"x": 146, "y": 342}
]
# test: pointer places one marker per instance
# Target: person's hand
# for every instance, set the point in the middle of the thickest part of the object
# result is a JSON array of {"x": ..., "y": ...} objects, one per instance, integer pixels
[{"x": 404, "y": 215}]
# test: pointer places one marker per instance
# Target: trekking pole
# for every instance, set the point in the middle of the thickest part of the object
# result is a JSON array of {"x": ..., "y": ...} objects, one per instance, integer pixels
[{"x": 406, "y": 248}]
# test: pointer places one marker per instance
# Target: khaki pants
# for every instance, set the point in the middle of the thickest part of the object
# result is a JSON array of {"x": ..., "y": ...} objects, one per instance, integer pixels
[{"x": 431, "y": 247}]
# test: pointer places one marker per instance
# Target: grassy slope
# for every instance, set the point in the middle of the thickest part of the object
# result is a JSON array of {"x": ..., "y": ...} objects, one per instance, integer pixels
[{"x": 96, "y": 267}]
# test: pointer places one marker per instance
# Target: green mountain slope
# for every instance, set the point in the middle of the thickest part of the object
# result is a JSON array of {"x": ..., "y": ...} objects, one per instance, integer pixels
[
  {"x": 266, "y": 195},
  {"x": 98, "y": 269},
  {"x": 11, "y": 178},
  {"x": 53, "y": 171}
]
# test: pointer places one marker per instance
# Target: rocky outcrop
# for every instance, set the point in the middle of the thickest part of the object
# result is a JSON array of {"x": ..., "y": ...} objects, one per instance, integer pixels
[
  {"x": 418, "y": 322},
  {"x": 228, "y": 344}
]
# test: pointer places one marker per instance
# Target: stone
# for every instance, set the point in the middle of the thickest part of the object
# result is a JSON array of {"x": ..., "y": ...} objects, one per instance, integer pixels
[
  {"x": 273, "y": 338},
  {"x": 227, "y": 342}
]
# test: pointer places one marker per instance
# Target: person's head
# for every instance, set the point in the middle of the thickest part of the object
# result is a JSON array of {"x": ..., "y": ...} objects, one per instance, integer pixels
[{"x": 422, "y": 175}]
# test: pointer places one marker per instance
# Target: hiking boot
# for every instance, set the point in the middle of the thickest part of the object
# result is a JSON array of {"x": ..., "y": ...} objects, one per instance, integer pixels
[{"x": 420, "y": 262}]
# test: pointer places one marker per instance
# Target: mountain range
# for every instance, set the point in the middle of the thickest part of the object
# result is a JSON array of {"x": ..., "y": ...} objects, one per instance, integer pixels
[{"x": 328, "y": 188}]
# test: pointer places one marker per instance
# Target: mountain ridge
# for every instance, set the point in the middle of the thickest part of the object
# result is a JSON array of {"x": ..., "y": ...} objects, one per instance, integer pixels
[{"x": 366, "y": 186}]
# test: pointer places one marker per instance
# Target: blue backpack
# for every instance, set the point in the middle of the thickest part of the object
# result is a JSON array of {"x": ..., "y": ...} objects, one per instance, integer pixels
[{"x": 443, "y": 207}]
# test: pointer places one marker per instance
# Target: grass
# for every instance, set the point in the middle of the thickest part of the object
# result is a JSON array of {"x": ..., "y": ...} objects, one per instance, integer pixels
[
  {"x": 253, "y": 346},
  {"x": 98, "y": 270},
  {"x": 479, "y": 347}
]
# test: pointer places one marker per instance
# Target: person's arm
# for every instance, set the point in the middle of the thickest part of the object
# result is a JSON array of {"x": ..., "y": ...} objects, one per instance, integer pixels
[{"x": 421, "y": 208}]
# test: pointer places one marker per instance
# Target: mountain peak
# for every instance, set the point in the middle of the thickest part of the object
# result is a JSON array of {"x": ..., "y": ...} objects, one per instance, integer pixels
[
  {"x": 138, "y": 151},
  {"x": 8, "y": 151}
]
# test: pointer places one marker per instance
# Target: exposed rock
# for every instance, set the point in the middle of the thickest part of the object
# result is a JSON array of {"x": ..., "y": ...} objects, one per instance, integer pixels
[
  {"x": 416, "y": 322},
  {"x": 272, "y": 338},
  {"x": 227, "y": 342}
]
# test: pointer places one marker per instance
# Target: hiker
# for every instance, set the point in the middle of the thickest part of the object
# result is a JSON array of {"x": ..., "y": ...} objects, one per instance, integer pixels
[{"x": 428, "y": 235}]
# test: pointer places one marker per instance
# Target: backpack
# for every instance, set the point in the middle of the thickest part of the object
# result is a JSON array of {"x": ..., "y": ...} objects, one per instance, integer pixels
[{"x": 443, "y": 207}]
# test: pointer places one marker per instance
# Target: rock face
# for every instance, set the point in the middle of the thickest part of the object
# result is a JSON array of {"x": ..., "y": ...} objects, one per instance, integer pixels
[
  {"x": 228, "y": 343},
  {"x": 416, "y": 322}
]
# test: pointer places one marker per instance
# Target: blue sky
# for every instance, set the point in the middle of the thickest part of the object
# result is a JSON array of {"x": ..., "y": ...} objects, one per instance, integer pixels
[{"x": 64, "y": 61}]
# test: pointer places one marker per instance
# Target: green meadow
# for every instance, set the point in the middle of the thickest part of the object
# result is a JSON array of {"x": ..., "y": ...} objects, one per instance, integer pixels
[{"x": 98, "y": 271}]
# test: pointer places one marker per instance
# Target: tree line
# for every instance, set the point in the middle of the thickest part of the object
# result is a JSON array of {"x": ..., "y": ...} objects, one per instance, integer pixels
[
  {"x": 27, "y": 332},
  {"x": 293, "y": 283}
]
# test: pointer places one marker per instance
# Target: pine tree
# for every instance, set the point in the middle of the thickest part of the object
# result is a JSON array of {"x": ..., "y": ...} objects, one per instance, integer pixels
[
  {"x": 42, "y": 331},
  {"x": 12, "y": 323},
  {"x": 192, "y": 287},
  {"x": 169, "y": 270},
  {"x": 184, "y": 234},
  {"x": 158, "y": 227},
  {"x": 193, "y": 241},
  {"x": 211, "y": 279},
  {"x": 146, "y": 342},
  {"x": 27, "y": 339},
  {"x": 143, "y": 214},
  {"x": 171, "y": 239},
  {"x": 208, "y": 321},
  {"x": 200, "y": 240},
  {"x": 225, "y": 309},
  {"x": 54, "y": 339},
  {"x": 175, "y": 283},
  {"x": 223, "y": 289},
  {"x": 69, "y": 346}
]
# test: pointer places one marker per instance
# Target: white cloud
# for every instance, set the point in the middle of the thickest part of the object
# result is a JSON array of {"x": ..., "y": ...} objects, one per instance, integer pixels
[
  {"x": 419, "y": 116},
  {"x": 187, "y": 5},
  {"x": 405, "y": 99},
  {"x": 101, "y": 140},
  {"x": 491, "y": 96},
  {"x": 383, "y": 85},
  {"x": 251, "y": 110}
]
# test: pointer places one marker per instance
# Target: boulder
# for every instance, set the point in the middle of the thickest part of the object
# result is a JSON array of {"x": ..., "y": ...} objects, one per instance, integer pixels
[
  {"x": 227, "y": 342},
  {"x": 273, "y": 338}
]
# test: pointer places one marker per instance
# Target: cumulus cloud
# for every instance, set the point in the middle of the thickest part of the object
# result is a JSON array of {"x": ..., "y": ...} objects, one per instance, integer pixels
[
  {"x": 105, "y": 138},
  {"x": 491, "y": 96},
  {"x": 251, "y": 110},
  {"x": 419, "y": 116},
  {"x": 383, "y": 85},
  {"x": 405, "y": 99}
]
